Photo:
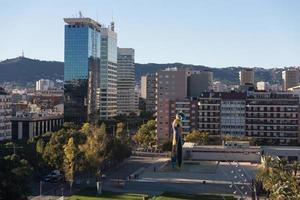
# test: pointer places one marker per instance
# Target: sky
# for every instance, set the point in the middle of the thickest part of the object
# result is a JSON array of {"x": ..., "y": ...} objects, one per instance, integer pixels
[{"x": 215, "y": 33}]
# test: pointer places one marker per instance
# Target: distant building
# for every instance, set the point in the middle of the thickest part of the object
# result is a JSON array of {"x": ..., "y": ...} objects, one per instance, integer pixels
[
  {"x": 198, "y": 82},
  {"x": 5, "y": 115},
  {"x": 148, "y": 91},
  {"x": 219, "y": 87},
  {"x": 44, "y": 85},
  {"x": 246, "y": 77},
  {"x": 290, "y": 78},
  {"x": 171, "y": 85},
  {"x": 82, "y": 69},
  {"x": 126, "y": 82},
  {"x": 26, "y": 126},
  {"x": 263, "y": 86}
]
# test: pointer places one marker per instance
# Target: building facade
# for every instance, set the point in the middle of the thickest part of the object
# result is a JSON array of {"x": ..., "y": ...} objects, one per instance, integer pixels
[
  {"x": 269, "y": 118},
  {"x": 31, "y": 125},
  {"x": 209, "y": 112},
  {"x": 246, "y": 77},
  {"x": 273, "y": 118},
  {"x": 232, "y": 113},
  {"x": 290, "y": 78},
  {"x": 81, "y": 69},
  {"x": 126, "y": 102},
  {"x": 5, "y": 115},
  {"x": 148, "y": 91},
  {"x": 198, "y": 82}
]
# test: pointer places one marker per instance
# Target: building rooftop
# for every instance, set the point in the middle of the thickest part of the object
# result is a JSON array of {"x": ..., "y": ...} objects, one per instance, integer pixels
[{"x": 83, "y": 21}]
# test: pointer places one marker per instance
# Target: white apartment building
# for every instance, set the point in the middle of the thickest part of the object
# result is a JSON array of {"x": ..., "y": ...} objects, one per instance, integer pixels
[
  {"x": 44, "y": 85},
  {"x": 107, "y": 93}
]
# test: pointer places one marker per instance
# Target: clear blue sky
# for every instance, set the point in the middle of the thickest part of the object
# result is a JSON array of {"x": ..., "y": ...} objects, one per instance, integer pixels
[{"x": 215, "y": 33}]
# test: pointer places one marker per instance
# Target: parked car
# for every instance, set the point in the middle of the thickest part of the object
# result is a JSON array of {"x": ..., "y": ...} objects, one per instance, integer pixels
[{"x": 53, "y": 176}]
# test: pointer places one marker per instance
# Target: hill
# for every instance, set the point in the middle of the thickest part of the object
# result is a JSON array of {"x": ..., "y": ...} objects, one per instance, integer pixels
[{"x": 24, "y": 70}]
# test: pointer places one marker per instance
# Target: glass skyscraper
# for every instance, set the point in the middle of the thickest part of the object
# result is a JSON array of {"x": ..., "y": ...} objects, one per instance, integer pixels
[{"x": 82, "y": 69}]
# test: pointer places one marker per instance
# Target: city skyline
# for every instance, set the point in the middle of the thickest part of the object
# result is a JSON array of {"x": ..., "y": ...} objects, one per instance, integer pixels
[{"x": 215, "y": 33}]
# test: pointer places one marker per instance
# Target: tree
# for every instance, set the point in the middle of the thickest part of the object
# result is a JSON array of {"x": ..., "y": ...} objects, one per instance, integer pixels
[
  {"x": 54, "y": 151},
  {"x": 15, "y": 174},
  {"x": 70, "y": 161},
  {"x": 197, "y": 137},
  {"x": 146, "y": 135},
  {"x": 277, "y": 179},
  {"x": 121, "y": 132},
  {"x": 95, "y": 146}
]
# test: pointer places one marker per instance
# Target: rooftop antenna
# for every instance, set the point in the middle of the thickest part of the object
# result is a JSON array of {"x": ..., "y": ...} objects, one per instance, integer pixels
[
  {"x": 22, "y": 53},
  {"x": 112, "y": 24}
]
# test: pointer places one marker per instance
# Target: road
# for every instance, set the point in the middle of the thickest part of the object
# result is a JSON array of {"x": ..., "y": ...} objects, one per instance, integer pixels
[{"x": 125, "y": 169}]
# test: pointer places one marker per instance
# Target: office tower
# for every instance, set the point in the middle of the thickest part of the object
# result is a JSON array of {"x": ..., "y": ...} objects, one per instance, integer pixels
[
  {"x": 171, "y": 85},
  {"x": 126, "y": 102},
  {"x": 290, "y": 78},
  {"x": 81, "y": 69},
  {"x": 198, "y": 82},
  {"x": 5, "y": 115},
  {"x": 232, "y": 112},
  {"x": 273, "y": 117},
  {"x": 246, "y": 77},
  {"x": 148, "y": 91},
  {"x": 264, "y": 86},
  {"x": 108, "y": 73},
  {"x": 44, "y": 85}
]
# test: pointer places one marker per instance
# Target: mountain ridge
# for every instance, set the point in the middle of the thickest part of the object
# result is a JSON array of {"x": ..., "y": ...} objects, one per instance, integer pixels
[{"x": 23, "y": 70}]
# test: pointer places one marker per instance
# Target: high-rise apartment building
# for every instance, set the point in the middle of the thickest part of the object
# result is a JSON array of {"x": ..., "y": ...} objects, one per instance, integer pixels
[
  {"x": 81, "y": 69},
  {"x": 5, "y": 115},
  {"x": 108, "y": 73},
  {"x": 126, "y": 102},
  {"x": 290, "y": 78},
  {"x": 198, "y": 82},
  {"x": 148, "y": 91},
  {"x": 246, "y": 77},
  {"x": 171, "y": 85}
]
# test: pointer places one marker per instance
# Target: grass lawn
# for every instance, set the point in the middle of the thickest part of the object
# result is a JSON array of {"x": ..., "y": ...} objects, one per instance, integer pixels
[
  {"x": 90, "y": 194},
  {"x": 179, "y": 196}
]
